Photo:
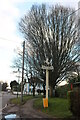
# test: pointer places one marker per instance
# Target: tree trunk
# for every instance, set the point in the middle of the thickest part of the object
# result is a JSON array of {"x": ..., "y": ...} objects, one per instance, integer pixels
[
  {"x": 33, "y": 90},
  {"x": 52, "y": 82},
  {"x": 51, "y": 91},
  {"x": 44, "y": 91},
  {"x": 51, "y": 78}
]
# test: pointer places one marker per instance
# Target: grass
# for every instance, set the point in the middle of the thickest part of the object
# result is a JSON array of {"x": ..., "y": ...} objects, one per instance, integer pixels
[
  {"x": 58, "y": 107},
  {"x": 17, "y": 101}
]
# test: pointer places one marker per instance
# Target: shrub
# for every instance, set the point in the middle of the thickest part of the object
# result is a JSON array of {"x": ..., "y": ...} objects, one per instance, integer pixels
[
  {"x": 61, "y": 91},
  {"x": 74, "y": 102}
]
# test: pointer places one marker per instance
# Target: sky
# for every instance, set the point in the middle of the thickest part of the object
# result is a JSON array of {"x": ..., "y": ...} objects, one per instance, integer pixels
[{"x": 11, "y": 12}]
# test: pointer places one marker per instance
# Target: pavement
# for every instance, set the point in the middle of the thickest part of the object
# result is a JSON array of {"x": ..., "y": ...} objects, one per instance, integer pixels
[{"x": 24, "y": 111}]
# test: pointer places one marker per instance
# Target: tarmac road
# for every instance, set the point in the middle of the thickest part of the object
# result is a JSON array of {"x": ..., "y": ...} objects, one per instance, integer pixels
[{"x": 6, "y": 97}]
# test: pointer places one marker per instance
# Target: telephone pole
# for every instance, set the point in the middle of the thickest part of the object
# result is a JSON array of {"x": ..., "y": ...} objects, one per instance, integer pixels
[{"x": 22, "y": 72}]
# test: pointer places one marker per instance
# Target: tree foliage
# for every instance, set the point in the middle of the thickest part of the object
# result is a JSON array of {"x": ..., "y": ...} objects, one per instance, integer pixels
[
  {"x": 13, "y": 84},
  {"x": 4, "y": 86},
  {"x": 50, "y": 33}
]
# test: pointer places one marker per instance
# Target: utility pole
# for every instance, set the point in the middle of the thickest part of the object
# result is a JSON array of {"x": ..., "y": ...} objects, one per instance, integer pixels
[
  {"x": 18, "y": 82},
  {"x": 22, "y": 72}
]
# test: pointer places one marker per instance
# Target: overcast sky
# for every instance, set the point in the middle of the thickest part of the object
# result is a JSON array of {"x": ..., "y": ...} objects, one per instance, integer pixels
[{"x": 10, "y": 13}]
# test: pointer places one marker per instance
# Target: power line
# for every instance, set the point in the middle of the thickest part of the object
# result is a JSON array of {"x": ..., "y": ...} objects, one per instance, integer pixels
[
  {"x": 5, "y": 39},
  {"x": 65, "y": 17},
  {"x": 2, "y": 38},
  {"x": 72, "y": 12}
]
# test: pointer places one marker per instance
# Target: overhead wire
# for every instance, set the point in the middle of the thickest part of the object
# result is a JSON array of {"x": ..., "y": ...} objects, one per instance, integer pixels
[
  {"x": 72, "y": 13},
  {"x": 2, "y": 38},
  {"x": 65, "y": 17}
]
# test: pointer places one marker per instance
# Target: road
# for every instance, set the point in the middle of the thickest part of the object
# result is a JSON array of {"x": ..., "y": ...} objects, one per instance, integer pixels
[{"x": 6, "y": 97}]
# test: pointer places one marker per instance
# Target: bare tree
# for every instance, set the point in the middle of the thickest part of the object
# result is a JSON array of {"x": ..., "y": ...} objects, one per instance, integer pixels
[{"x": 51, "y": 33}]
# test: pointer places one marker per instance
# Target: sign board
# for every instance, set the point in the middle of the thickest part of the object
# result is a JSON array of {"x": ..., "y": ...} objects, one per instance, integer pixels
[{"x": 47, "y": 67}]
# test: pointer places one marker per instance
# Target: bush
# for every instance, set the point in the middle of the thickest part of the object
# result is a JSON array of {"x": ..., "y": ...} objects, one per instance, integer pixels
[
  {"x": 74, "y": 102},
  {"x": 61, "y": 91}
]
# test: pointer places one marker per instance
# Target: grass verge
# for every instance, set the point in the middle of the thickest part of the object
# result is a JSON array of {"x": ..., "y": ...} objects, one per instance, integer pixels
[
  {"x": 58, "y": 107},
  {"x": 17, "y": 101}
]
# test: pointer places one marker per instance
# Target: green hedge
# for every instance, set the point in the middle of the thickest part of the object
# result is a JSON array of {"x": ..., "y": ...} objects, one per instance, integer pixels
[
  {"x": 74, "y": 102},
  {"x": 61, "y": 91}
]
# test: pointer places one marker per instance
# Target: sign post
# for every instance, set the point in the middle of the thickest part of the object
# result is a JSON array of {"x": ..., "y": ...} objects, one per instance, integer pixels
[
  {"x": 47, "y": 68},
  {"x": 47, "y": 82}
]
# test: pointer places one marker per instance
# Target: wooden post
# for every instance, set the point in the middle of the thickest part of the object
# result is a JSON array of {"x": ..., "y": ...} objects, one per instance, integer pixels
[
  {"x": 47, "y": 68},
  {"x": 47, "y": 82},
  {"x": 22, "y": 72}
]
